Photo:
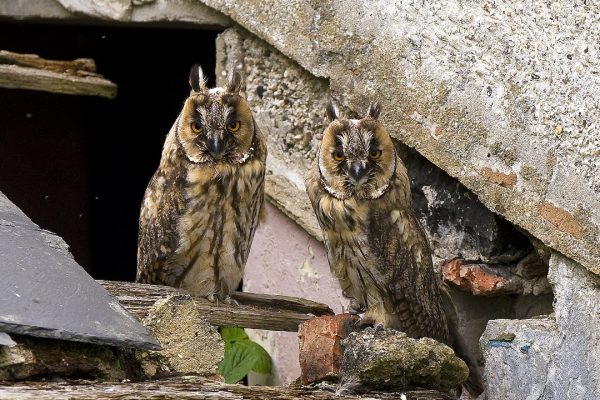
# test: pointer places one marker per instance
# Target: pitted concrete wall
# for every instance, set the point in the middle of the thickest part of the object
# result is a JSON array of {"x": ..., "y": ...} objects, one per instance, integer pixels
[{"x": 500, "y": 95}]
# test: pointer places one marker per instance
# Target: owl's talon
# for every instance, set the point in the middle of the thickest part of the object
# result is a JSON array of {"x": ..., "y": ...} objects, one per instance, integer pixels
[
  {"x": 365, "y": 322},
  {"x": 355, "y": 308},
  {"x": 231, "y": 301}
]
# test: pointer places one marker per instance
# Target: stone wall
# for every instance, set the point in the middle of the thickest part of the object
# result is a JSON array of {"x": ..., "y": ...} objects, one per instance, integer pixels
[
  {"x": 500, "y": 95},
  {"x": 554, "y": 357}
]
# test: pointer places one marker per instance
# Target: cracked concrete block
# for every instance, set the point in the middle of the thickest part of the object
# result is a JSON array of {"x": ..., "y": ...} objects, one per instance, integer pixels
[
  {"x": 190, "y": 345},
  {"x": 501, "y": 96},
  {"x": 547, "y": 358},
  {"x": 517, "y": 355}
]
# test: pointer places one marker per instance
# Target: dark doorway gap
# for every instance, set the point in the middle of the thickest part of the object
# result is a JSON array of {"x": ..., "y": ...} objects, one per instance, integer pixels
[{"x": 78, "y": 166}]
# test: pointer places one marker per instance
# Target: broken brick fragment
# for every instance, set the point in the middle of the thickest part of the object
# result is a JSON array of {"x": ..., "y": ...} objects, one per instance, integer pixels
[
  {"x": 320, "y": 348},
  {"x": 473, "y": 278}
]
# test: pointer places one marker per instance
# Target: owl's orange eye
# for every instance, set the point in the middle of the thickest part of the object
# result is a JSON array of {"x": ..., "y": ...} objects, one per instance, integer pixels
[
  {"x": 338, "y": 155},
  {"x": 196, "y": 128},
  {"x": 234, "y": 126},
  {"x": 375, "y": 154}
]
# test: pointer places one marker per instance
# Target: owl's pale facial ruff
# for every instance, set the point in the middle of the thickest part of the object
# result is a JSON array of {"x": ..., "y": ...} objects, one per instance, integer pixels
[
  {"x": 201, "y": 207},
  {"x": 216, "y": 125},
  {"x": 357, "y": 157}
]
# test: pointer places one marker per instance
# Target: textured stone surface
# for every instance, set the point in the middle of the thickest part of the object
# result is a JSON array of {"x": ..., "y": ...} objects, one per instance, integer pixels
[
  {"x": 500, "y": 95},
  {"x": 37, "y": 358},
  {"x": 320, "y": 346},
  {"x": 190, "y": 345},
  {"x": 518, "y": 355},
  {"x": 288, "y": 104},
  {"x": 388, "y": 359},
  {"x": 189, "y": 12},
  {"x": 547, "y": 359}
]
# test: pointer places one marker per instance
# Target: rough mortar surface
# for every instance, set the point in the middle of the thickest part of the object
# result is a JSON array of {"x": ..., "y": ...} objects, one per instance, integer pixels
[
  {"x": 189, "y": 343},
  {"x": 501, "y": 95}
]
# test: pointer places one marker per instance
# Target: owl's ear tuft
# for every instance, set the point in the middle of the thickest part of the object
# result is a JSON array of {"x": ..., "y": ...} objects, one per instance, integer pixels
[
  {"x": 374, "y": 110},
  {"x": 332, "y": 112},
  {"x": 197, "y": 80},
  {"x": 234, "y": 82}
]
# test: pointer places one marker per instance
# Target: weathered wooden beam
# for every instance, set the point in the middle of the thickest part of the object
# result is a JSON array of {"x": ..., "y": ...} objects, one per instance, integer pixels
[
  {"x": 257, "y": 311},
  {"x": 17, "y": 77},
  {"x": 80, "y": 66},
  {"x": 187, "y": 388}
]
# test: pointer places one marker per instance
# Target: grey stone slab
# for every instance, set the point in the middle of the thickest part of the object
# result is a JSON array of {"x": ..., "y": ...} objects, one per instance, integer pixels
[
  {"x": 45, "y": 293},
  {"x": 517, "y": 355}
]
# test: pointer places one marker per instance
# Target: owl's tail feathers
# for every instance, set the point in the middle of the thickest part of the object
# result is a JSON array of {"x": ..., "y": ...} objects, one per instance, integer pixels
[{"x": 474, "y": 383}]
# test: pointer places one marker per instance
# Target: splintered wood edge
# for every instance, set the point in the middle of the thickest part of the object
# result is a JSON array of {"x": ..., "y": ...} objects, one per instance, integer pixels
[
  {"x": 16, "y": 77},
  {"x": 189, "y": 388},
  {"x": 34, "y": 61},
  {"x": 256, "y": 311}
]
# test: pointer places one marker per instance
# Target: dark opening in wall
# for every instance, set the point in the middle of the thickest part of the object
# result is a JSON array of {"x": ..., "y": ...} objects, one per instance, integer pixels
[{"x": 78, "y": 166}]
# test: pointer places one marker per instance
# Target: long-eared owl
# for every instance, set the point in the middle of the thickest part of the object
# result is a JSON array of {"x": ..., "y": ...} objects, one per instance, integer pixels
[
  {"x": 202, "y": 205},
  {"x": 376, "y": 246}
]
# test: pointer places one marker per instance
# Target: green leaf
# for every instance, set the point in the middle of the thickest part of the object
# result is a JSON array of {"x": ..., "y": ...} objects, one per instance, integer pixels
[
  {"x": 237, "y": 362},
  {"x": 263, "y": 363},
  {"x": 233, "y": 334},
  {"x": 242, "y": 355}
]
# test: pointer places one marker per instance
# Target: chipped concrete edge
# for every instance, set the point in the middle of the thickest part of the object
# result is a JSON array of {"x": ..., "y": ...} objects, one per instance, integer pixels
[{"x": 572, "y": 233}]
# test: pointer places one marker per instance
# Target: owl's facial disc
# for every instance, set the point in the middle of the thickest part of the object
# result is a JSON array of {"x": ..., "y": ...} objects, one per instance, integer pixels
[
  {"x": 357, "y": 159},
  {"x": 216, "y": 127}
]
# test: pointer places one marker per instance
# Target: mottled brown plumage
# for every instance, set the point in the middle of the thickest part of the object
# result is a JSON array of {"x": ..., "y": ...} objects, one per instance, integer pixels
[
  {"x": 360, "y": 192},
  {"x": 201, "y": 207}
]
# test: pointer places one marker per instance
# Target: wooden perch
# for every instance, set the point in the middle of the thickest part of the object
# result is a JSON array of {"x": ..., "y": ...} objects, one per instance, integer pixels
[
  {"x": 257, "y": 311},
  {"x": 83, "y": 66},
  {"x": 187, "y": 388},
  {"x": 29, "y": 71}
]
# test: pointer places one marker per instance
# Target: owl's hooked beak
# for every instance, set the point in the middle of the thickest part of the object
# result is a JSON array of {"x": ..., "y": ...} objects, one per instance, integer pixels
[
  {"x": 216, "y": 147},
  {"x": 357, "y": 172}
]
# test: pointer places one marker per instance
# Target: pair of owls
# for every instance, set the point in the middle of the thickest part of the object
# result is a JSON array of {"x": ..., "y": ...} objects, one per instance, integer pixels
[{"x": 201, "y": 209}]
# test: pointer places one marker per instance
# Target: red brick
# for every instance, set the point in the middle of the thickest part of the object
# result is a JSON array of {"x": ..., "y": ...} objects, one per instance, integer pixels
[
  {"x": 320, "y": 348},
  {"x": 473, "y": 278}
]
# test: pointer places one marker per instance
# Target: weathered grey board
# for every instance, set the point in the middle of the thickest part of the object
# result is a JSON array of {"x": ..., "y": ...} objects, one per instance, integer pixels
[{"x": 45, "y": 293}]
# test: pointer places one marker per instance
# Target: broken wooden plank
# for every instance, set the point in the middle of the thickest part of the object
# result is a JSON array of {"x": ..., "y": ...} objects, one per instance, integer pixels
[
  {"x": 268, "y": 312},
  {"x": 79, "y": 66},
  {"x": 189, "y": 388},
  {"x": 282, "y": 302},
  {"x": 17, "y": 77}
]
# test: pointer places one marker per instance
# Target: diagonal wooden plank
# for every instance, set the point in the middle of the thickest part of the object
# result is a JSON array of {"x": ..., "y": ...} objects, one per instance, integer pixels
[{"x": 257, "y": 311}]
